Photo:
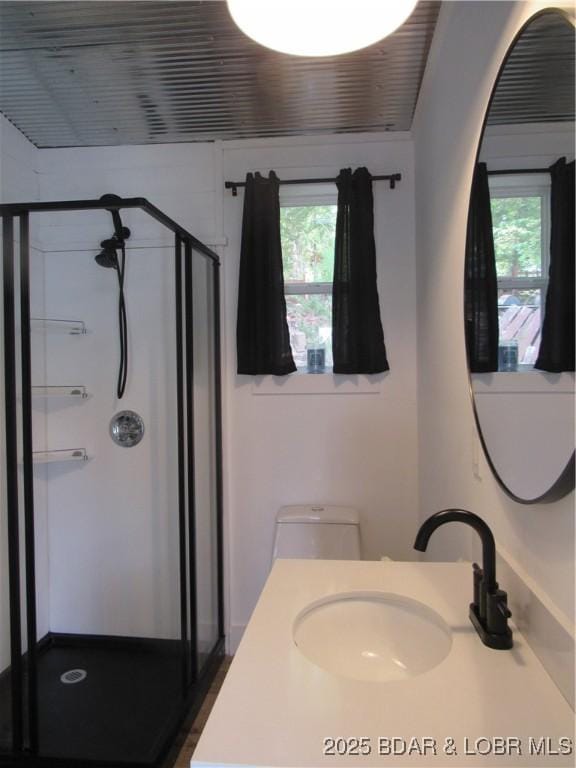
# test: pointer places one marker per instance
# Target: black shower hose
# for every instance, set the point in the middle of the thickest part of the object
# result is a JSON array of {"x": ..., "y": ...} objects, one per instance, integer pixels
[{"x": 122, "y": 327}]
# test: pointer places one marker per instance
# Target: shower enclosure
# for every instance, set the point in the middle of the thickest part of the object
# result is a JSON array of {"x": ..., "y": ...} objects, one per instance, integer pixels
[{"x": 111, "y": 609}]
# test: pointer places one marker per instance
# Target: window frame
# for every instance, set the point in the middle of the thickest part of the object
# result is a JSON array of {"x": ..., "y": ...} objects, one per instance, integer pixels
[
  {"x": 308, "y": 196},
  {"x": 523, "y": 185},
  {"x": 514, "y": 185}
]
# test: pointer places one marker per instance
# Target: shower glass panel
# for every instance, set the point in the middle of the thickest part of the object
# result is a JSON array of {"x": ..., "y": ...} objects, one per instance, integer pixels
[
  {"x": 119, "y": 554},
  {"x": 5, "y": 676},
  {"x": 17, "y": 622},
  {"x": 113, "y": 519},
  {"x": 205, "y": 478},
  {"x": 6, "y": 720}
]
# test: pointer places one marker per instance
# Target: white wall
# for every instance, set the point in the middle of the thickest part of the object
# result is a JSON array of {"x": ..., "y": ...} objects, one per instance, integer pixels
[
  {"x": 18, "y": 165},
  {"x": 470, "y": 42},
  {"x": 353, "y": 449},
  {"x": 534, "y": 145}
]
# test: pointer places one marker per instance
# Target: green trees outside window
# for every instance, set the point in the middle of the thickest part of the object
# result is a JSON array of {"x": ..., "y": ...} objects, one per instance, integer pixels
[{"x": 308, "y": 234}]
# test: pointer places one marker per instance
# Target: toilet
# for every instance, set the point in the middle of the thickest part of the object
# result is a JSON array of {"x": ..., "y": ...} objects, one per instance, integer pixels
[{"x": 317, "y": 531}]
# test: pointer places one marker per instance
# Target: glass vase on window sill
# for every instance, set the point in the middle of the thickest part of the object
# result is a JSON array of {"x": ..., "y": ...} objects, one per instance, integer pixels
[
  {"x": 316, "y": 359},
  {"x": 508, "y": 356},
  {"x": 311, "y": 345}
]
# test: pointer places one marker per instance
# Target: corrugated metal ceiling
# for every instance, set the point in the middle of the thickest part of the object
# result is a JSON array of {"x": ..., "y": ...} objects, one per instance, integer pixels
[
  {"x": 101, "y": 73},
  {"x": 113, "y": 72},
  {"x": 537, "y": 82}
]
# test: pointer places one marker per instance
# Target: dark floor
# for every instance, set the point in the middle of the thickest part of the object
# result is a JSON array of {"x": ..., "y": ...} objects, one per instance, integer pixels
[
  {"x": 193, "y": 735},
  {"x": 124, "y": 709}
]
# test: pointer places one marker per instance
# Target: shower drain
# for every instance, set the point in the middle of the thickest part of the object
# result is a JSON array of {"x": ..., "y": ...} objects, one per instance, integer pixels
[{"x": 73, "y": 676}]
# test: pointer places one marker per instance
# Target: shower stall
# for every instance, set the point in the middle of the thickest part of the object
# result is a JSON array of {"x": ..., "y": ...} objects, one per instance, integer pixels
[{"x": 111, "y": 605}]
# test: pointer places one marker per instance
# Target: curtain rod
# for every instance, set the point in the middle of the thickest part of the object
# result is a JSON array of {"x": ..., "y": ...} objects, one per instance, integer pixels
[
  {"x": 392, "y": 178},
  {"x": 512, "y": 171}
]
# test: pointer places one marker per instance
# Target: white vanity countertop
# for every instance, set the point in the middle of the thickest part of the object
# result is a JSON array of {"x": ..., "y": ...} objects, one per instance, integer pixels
[{"x": 276, "y": 707}]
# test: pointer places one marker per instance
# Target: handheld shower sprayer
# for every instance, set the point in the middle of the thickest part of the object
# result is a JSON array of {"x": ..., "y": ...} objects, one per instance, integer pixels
[
  {"x": 120, "y": 233},
  {"x": 108, "y": 258}
]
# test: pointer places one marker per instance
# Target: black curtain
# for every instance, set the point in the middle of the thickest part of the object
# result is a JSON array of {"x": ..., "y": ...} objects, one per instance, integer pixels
[
  {"x": 480, "y": 280},
  {"x": 262, "y": 337},
  {"x": 357, "y": 336},
  {"x": 557, "y": 341}
]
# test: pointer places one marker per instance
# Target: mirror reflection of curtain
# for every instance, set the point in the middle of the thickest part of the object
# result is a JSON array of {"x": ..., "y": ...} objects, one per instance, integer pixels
[
  {"x": 557, "y": 345},
  {"x": 357, "y": 335},
  {"x": 480, "y": 281},
  {"x": 262, "y": 336}
]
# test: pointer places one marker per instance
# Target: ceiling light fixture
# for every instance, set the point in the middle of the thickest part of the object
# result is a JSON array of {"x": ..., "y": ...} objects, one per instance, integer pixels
[{"x": 319, "y": 27}]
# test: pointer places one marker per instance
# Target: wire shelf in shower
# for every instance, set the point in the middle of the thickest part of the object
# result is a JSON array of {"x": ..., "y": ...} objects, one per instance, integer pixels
[
  {"x": 60, "y": 455},
  {"x": 54, "y": 325},
  {"x": 76, "y": 391}
]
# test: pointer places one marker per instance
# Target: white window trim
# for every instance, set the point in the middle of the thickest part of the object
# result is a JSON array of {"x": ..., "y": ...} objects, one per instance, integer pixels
[
  {"x": 306, "y": 288},
  {"x": 294, "y": 195}
]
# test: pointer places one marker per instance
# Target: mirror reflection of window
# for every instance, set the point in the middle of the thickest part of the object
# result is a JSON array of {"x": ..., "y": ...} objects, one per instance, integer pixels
[{"x": 520, "y": 206}]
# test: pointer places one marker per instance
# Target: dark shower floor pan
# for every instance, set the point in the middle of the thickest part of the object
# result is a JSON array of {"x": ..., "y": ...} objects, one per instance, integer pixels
[{"x": 125, "y": 709}]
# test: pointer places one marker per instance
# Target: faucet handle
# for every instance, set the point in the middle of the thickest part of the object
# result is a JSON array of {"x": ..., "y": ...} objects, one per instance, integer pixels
[
  {"x": 493, "y": 628},
  {"x": 478, "y": 576},
  {"x": 497, "y": 612}
]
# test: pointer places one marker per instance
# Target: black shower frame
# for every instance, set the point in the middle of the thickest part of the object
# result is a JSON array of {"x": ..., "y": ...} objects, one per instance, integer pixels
[{"x": 24, "y": 697}]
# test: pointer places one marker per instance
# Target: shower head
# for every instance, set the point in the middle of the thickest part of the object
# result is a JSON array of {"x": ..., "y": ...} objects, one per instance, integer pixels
[{"x": 107, "y": 256}]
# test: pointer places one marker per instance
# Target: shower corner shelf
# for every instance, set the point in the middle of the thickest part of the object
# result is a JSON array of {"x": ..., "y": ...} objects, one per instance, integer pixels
[
  {"x": 77, "y": 391},
  {"x": 65, "y": 454},
  {"x": 70, "y": 327}
]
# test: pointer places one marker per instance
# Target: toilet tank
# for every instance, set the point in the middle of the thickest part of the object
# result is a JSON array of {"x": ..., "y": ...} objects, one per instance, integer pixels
[{"x": 317, "y": 531}]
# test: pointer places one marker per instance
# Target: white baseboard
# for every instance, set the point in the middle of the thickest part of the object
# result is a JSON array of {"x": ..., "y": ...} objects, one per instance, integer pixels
[{"x": 546, "y": 630}]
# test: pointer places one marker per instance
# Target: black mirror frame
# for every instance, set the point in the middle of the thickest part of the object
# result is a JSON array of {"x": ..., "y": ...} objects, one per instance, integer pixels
[{"x": 566, "y": 480}]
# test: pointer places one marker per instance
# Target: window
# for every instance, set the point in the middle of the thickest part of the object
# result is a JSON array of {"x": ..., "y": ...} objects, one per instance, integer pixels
[
  {"x": 520, "y": 207},
  {"x": 308, "y": 230}
]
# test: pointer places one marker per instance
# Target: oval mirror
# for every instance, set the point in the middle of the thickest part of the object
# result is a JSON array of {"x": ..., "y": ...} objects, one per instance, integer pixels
[{"x": 519, "y": 270}]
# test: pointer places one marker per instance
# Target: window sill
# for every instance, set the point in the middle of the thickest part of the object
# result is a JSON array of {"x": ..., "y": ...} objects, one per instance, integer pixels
[
  {"x": 522, "y": 382},
  {"x": 302, "y": 383}
]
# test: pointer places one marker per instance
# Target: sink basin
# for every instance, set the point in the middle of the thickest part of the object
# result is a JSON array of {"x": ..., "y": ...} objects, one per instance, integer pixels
[{"x": 373, "y": 636}]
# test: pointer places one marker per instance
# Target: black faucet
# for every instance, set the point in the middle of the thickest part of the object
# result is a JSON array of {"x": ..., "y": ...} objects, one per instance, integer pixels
[{"x": 489, "y": 612}]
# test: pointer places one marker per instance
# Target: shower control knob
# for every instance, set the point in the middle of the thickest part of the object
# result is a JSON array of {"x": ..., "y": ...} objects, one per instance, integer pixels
[{"x": 127, "y": 429}]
